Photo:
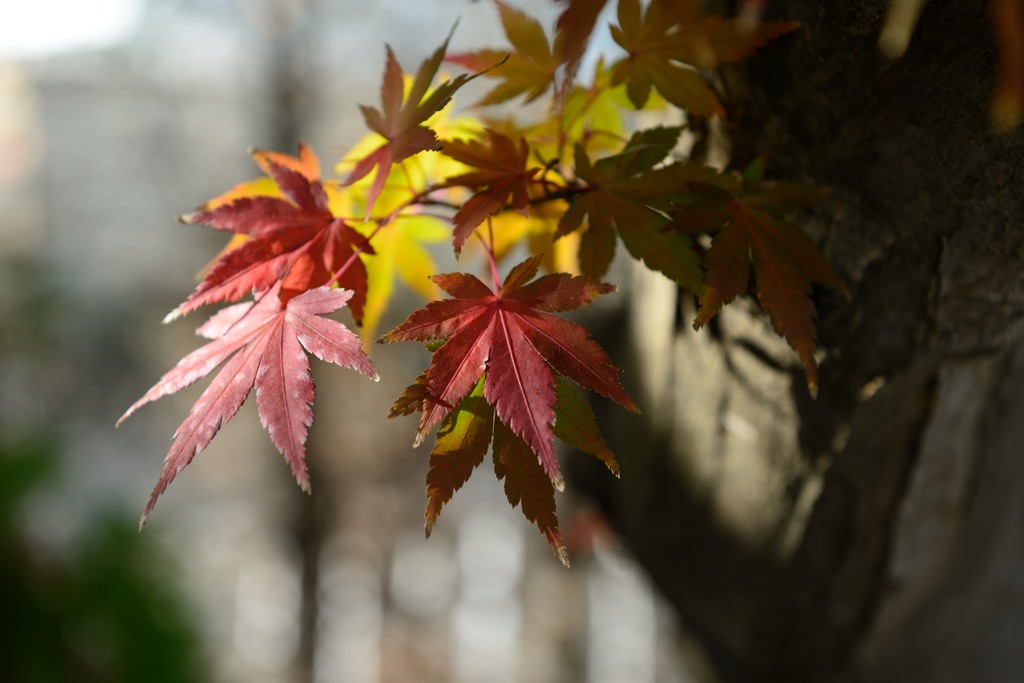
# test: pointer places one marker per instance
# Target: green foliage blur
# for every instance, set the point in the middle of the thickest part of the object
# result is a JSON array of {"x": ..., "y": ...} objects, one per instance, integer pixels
[{"x": 101, "y": 612}]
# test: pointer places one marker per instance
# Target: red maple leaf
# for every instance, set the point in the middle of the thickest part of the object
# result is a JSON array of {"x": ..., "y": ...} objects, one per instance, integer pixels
[
  {"x": 398, "y": 120},
  {"x": 499, "y": 173},
  {"x": 295, "y": 240},
  {"x": 264, "y": 341},
  {"x": 510, "y": 334}
]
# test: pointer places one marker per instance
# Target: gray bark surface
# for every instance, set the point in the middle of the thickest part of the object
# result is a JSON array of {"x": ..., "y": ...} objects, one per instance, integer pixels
[{"x": 877, "y": 532}]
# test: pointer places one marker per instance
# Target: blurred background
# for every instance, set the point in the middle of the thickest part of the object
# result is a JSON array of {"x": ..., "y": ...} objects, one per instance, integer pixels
[{"x": 115, "y": 117}]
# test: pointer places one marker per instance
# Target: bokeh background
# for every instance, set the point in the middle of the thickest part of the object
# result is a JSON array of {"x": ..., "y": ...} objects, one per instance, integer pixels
[{"x": 115, "y": 117}]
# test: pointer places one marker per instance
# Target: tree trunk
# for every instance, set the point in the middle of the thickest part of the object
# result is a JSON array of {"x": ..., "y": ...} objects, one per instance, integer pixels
[{"x": 875, "y": 533}]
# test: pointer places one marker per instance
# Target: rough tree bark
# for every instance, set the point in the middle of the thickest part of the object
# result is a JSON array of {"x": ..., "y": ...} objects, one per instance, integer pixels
[{"x": 877, "y": 532}]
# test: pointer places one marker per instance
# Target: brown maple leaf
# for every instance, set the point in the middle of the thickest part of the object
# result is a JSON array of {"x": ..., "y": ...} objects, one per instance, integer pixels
[
  {"x": 499, "y": 174},
  {"x": 748, "y": 221}
]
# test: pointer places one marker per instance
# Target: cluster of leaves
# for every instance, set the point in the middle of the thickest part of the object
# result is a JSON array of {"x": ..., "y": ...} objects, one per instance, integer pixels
[{"x": 568, "y": 187}]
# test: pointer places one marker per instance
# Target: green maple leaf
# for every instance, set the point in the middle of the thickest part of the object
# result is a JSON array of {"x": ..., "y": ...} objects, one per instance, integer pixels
[
  {"x": 626, "y": 196},
  {"x": 669, "y": 41},
  {"x": 529, "y": 70}
]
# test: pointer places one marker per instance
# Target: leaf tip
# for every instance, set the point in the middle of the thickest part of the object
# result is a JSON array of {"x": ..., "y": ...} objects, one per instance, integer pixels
[
  {"x": 704, "y": 314},
  {"x": 418, "y": 440},
  {"x": 812, "y": 387}
]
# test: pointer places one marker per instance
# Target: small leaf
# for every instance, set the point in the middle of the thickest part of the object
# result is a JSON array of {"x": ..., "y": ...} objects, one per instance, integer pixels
[{"x": 412, "y": 400}]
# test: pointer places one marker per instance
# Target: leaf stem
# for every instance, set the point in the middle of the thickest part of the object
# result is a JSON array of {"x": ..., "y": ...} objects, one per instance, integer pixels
[{"x": 489, "y": 250}]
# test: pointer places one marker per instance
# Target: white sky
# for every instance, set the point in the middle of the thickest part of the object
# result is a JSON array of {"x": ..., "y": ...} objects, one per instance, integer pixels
[{"x": 36, "y": 28}]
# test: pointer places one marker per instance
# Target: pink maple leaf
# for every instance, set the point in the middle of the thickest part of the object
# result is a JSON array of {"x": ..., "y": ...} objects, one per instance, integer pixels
[{"x": 263, "y": 344}]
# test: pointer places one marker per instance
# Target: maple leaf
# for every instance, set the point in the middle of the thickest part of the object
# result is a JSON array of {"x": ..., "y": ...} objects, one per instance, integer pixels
[
  {"x": 750, "y": 230},
  {"x": 529, "y": 70},
  {"x": 573, "y": 29},
  {"x": 414, "y": 174},
  {"x": 511, "y": 335},
  {"x": 293, "y": 238},
  {"x": 668, "y": 41},
  {"x": 499, "y": 172},
  {"x": 462, "y": 442},
  {"x": 263, "y": 344},
  {"x": 627, "y": 196},
  {"x": 400, "y": 117}
]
